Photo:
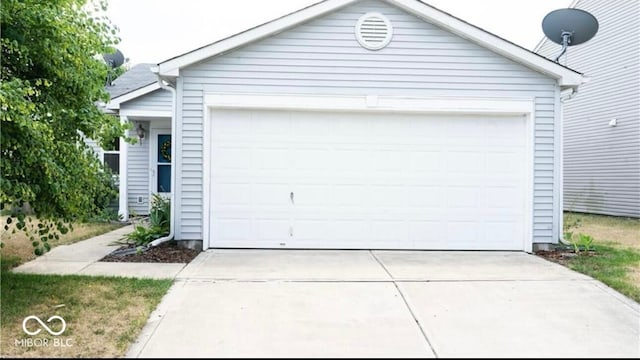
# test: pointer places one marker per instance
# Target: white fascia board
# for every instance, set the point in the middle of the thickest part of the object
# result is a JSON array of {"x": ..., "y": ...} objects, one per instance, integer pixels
[
  {"x": 485, "y": 39},
  {"x": 146, "y": 113},
  {"x": 115, "y": 103},
  {"x": 433, "y": 105},
  {"x": 171, "y": 68}
]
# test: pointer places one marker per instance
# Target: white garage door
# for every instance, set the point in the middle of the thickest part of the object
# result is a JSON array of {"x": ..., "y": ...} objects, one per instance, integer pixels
[{"x": 284, "y": 179}]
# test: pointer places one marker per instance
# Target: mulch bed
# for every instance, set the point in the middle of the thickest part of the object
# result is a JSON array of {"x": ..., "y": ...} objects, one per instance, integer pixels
[
  {"x": 168, "y": 252},
  {"x": 562, "y": 256}
]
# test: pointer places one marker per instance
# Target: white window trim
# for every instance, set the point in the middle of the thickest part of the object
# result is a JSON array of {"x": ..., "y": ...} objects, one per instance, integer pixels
[{"x": 431, "y": 105}]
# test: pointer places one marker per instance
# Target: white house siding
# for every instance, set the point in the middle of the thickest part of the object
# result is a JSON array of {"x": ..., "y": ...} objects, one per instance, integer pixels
[
  {"x": 138, "y": 175},
  {"x": 323, "y": 57},
  {"x": 159, "y": 100},
  {"x": 602, "y": 163}
]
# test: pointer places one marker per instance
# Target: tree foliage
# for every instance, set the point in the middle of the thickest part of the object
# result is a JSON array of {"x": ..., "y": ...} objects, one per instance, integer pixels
[{"x": 52, "y": 78}]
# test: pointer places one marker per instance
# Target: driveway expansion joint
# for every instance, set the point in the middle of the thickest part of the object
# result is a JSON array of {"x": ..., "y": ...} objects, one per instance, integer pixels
[{"x": 406, "y": 303}]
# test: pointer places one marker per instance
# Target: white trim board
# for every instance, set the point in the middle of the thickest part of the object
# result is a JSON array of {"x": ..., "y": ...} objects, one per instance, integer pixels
[
  {"x": 146, "y": 114},
  {"x": 565, "y": 76},
  {"x": 434, "y": 105}
]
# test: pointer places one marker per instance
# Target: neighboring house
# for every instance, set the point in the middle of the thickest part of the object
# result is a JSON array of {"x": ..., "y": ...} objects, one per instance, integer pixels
[
  {"x": 602, "y": 122},
  {"x": 353, "y": 125}
]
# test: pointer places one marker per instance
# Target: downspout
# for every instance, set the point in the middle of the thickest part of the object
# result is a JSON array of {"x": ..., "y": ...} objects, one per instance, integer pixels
[
  {"x": 174, "y": 116},
  {"x": 563, "y": 98}
]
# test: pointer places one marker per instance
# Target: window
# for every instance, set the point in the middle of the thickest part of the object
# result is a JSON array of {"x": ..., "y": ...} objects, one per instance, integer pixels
[{"x": 112, "y": 156}]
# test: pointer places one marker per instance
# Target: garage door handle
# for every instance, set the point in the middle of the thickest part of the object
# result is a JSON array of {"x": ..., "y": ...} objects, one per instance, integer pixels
[{"x": 291, "y": 196}]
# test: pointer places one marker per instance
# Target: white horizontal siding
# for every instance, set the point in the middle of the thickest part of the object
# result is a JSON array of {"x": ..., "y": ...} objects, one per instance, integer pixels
[
  {"x": 138, "y": 175},
  {"x": 159, "y": 100},
  {"x": 324, "y": 57},
  {"x": 602, "y": 163}
]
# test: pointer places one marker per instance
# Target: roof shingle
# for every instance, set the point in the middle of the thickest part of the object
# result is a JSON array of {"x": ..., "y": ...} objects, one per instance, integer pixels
[{"x": 137, "y": 77}]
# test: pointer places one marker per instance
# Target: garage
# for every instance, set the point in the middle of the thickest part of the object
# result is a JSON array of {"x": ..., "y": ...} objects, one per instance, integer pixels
[
  {"x": 382, "y": 124},
  {"x": 368, "y": 180}
]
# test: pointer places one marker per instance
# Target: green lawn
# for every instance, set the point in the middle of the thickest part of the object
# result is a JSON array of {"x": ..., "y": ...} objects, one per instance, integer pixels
[
  {"x": 616, "y": 261},
  {"x": 103, "y": 315}
]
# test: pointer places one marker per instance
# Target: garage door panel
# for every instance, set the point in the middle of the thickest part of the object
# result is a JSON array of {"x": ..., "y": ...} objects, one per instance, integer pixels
[
  {"x": 390, "y": 231},
  {"x": 271, "y": 194},
  {"x": 504, "y": 162},
  {"x": 464, "y": 233},
  {"x": 331, "y": 180},
  {"x": 463, "y": 197},
  {"x": 232, "y": 158},
  {"x": 504, "y": 197},
  {"x": 387, "y": 196},
  {"x": 465, "y": 162},
  {"x": 502, "y": 231},
  {"x": 345, "y": 230},
  {"x": 426, "y": 161},
  {"x": 272, "y": 159},
  {"x": 389, "y": 160},
  {"x": 231, "y": 229},
  {"x": 426, "y": 196},
  {"x": 232, "y": 194}
]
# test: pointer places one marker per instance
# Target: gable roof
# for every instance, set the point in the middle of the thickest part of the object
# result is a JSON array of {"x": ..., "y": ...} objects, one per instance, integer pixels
[
  {"x": 135, "y": 78},
  {"x": 567, "y": 78}
]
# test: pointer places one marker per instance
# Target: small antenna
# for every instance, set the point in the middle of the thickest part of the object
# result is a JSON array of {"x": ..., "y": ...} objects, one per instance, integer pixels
[
  {"x": 569, "y": 27},
  {"x": 114, "y": 60}
]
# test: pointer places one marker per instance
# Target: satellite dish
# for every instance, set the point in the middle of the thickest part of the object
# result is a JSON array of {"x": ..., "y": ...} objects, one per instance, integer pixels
[
  {"x": 114, "y": 60},
  {"x": 569, "y": 27}
]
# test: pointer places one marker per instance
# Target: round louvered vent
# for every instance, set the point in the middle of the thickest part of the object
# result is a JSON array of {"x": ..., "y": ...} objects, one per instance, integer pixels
[{"x": 374, "y": 31}]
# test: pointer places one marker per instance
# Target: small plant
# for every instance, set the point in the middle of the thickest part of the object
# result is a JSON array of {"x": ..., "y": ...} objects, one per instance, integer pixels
[
  {"x": 579, "y": 241},
  {"x": 159, "y": 223}
]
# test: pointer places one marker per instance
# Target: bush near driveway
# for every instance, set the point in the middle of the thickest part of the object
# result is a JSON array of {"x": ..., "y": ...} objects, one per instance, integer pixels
[{"x": 103, "y": 315}]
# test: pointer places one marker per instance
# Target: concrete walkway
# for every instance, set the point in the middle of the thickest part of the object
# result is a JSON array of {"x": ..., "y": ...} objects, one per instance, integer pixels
[
  {"x": 261, "y": 303},
  {"x": 82, "y": 258}
]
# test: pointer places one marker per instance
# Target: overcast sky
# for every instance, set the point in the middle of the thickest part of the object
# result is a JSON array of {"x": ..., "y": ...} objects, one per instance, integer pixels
[{"x": 156, "y": 30}]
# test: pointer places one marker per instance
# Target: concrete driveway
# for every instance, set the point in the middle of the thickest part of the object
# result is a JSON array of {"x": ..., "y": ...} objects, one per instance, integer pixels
[{"x": 246, "y": 303}]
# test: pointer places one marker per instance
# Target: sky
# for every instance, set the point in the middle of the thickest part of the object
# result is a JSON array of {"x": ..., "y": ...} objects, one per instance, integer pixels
[{"x": 156, "y": 30}]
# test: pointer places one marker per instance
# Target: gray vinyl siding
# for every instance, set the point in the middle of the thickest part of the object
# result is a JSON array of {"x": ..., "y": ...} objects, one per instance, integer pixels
[
  {"x": 159, "y": 100},
  {"x": 602, "y": 163},
  {"x": 138, "y": 175},
  {"x": 323, "y": 57}
]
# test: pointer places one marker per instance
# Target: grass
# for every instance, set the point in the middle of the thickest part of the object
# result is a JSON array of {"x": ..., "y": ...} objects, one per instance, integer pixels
[
  {"x": 617, "y": 244},
  {"x": 103, "y": 315},
  {"x": 17, "y": 248}
]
